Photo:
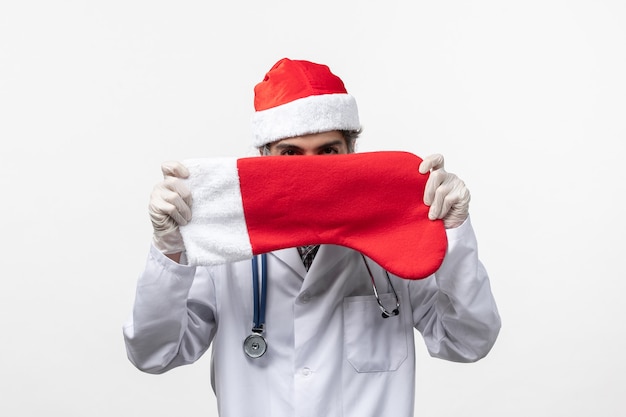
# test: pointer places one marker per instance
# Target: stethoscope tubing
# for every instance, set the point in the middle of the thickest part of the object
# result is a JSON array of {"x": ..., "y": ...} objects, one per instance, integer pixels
[
  {"x": 255, "y": 344},
  {"x": 260, "y": 299}
]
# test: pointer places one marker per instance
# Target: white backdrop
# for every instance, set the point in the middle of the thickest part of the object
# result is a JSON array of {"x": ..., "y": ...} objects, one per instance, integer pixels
[{"x": 527, "y": 101}]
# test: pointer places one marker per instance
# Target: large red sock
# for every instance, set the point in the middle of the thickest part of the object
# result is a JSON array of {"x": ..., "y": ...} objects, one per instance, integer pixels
[{"x": 371, "y": 202}]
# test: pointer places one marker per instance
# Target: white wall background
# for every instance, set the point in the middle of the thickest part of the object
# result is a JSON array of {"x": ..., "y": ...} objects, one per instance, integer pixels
[{"x": 526, "y": 99}]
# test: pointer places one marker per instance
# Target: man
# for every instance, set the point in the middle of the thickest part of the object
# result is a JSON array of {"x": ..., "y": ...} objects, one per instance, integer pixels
[{"x": 329, "y": 351}]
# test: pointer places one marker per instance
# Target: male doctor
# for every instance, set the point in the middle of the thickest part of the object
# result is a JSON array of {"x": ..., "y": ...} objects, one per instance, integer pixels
[{"x": 329, "y": 352}]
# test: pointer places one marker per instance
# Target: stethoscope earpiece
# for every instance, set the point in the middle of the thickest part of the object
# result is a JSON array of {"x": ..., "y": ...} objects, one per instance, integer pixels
[{"x": 386, "y": 314}]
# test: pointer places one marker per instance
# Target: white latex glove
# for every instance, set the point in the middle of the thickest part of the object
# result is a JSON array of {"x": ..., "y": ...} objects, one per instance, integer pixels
[
  {"x": 170, "y": 206},
  {"x": 445, "y": 193}
]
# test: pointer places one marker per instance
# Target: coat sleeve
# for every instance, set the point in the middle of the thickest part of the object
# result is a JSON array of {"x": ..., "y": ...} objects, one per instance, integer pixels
[
  {"x": 454, "y": 309},
  {"x": 173, "y": 317}
]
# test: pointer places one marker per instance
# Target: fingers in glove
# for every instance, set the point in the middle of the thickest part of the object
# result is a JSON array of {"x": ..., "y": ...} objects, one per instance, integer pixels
[
  {"x": 431, "y": 162},
  {"x": 438, "y": 194},
  {"x": 175, "y": 201},
  {"x": 167, "y": 207},
  {"x": 434, "y": 183},
  {"x": 181, "y": 189},
  {"x": 452, "y": 199},
  {"x": 174, "y": 169}
]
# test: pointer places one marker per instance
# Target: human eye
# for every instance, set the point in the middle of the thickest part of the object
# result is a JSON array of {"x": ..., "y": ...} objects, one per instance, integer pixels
[
  {"x": 289, "y": 152},
  {"x": 330, "y": 150}
]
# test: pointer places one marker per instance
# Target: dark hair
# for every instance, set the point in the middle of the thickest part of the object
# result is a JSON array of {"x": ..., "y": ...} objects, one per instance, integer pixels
[{"x": 350, "y": 136}]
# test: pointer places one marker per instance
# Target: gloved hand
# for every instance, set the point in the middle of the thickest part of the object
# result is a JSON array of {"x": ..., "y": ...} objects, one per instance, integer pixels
[
  {"x": 170, "y": 206},
  {"x": 445, "y": 193}
]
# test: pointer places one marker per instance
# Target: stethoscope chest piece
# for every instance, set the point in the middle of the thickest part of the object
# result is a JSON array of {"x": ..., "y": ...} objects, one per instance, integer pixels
[{"x": 254, "y": 346}]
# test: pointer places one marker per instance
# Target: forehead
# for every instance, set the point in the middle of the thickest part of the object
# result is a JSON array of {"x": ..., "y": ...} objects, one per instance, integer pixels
[{"x": 313, "y": 141}]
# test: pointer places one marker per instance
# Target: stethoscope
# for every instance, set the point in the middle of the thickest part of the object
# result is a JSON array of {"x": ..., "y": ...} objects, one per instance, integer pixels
[
  {"x": 386, "y": 314},
  {"x": 255, "y": 344}
]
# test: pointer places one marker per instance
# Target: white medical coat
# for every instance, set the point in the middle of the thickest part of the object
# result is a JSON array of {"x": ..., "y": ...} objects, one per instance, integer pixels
[{"x": 330, "y": 352}]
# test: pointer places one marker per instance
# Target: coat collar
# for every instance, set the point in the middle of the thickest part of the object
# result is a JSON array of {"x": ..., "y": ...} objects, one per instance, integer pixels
[
  {"x": 327, "y": 257},
  {"x": 291, "y": 258}
]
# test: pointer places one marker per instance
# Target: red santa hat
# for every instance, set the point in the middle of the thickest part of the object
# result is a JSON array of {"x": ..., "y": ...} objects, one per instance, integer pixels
[{"x": 299, "y": 98}]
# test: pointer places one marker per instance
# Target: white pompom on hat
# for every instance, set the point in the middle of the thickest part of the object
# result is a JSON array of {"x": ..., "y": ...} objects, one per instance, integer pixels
[{"x": 299, "y": 98}]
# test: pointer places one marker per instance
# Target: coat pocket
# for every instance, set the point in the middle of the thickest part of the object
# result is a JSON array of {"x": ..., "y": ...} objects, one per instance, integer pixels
[{"x": 371, "y": 342}]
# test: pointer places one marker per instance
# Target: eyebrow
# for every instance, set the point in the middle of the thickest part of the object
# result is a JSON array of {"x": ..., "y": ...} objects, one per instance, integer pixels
[{"x": 337, "y": 142}]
